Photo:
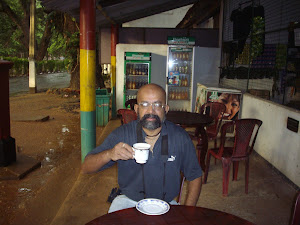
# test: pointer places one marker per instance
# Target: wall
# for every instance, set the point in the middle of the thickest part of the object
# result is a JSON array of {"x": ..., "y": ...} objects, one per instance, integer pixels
[
  {"x": 158, "y": 66},
  {"x": 278, "y": 145},
  {"x": 104, "y": 45},
  {"x": 203, "y": 38}
]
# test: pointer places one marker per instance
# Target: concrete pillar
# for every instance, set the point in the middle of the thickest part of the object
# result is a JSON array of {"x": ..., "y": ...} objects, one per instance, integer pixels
[
  {"x": 87, "y": 76},
  {"x": 32, "y": 71},
  {"x": 114, "y": 41}
]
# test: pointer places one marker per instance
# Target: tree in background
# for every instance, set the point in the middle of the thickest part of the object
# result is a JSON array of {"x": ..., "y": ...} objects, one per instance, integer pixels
[{"x": 57, "y": 34}]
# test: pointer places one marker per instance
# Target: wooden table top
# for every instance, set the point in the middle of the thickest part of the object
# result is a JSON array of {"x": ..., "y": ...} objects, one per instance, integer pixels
[
  {"x": 178, "y": 214},
  {"x": 188, "y": 119}
]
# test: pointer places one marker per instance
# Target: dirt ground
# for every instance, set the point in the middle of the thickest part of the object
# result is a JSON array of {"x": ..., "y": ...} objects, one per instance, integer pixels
[{"x": 36, "y": 198}]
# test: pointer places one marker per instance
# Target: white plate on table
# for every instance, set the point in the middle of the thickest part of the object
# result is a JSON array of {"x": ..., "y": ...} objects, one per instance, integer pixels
[{"x": 152, "y": 206}]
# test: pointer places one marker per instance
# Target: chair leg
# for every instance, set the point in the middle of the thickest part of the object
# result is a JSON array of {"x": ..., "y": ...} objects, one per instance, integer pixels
[
  {"x": 246, "y": 175},
  {"x": 216, "y": 143},
  {"x": 235, "y": 169},
  {"x": 226, "y": 170},
  {"x": 207, "y": 167},
  {"x": 215, "y": 148}
]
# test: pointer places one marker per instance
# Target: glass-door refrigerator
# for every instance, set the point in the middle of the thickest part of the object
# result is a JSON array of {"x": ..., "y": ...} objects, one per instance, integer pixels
[
  {"x": 137, "y": 72},
  {"x": 179, "y": 89}
]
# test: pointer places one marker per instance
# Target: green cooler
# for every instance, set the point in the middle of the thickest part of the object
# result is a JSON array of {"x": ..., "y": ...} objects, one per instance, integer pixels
[{"x": 102, "y": 107}]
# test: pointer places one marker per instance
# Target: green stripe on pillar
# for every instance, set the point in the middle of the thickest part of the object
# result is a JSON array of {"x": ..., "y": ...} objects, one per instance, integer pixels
[{"x": 88, "y": 132}]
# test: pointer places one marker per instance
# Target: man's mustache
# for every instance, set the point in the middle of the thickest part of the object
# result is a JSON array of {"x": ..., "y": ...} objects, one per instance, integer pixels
[{"x": 151, "y": 116}]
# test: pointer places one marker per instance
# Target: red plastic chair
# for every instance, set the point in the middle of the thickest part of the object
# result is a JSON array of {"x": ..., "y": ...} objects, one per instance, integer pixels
[
  {"x": 127, "y": 115},
  {"x": 246, "y": 131},
  {"x": 295, "y": 219},
  {"x": 215, "y": 110}
]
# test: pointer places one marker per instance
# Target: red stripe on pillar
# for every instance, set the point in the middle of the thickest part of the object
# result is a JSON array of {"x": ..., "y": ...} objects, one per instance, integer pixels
[
  {"x": 87, "y": 24},
  {"x": 114, "y": 39}
]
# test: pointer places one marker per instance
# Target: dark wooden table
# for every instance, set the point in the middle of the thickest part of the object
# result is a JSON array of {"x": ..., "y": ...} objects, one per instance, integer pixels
[
  {"x": 197, "y": 120},
  {"x": 178, "y": 214}
]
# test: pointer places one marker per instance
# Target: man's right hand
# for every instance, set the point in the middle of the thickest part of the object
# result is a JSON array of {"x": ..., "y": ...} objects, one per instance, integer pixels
[
  {"x": 92, "y": 163},
  {"x": 121, "y": 151}
]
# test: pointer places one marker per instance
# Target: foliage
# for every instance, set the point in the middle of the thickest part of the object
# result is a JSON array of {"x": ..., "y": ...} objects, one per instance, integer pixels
[
  {"x": 21, "y": 65},
  {"x": 56, "y": 38},
  {"x": 50, "y": 32},
  {"x": 72, "y": 50},
  {"x": 9, "y": 44}
]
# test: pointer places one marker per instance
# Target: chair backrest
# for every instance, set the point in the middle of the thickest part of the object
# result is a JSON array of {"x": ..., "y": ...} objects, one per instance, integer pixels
[
  {"x": 131, "y": 103},
  {"x": 246, "y": 131},
  {"x": 215, "y": 110},
  {"x": 128, "y": 115},
  {"x": 295, "y": 219}
]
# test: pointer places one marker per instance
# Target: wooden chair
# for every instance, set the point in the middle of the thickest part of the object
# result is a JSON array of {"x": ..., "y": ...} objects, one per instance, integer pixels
[
  {"x": 295, "y": 219},
  {"x": 127, "y": 115},
  {"x": 246, "y": 131}
]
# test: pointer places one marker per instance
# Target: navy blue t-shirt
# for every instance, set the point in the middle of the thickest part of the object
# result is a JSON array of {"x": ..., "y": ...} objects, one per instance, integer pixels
[{"x": 182, "y": 158}]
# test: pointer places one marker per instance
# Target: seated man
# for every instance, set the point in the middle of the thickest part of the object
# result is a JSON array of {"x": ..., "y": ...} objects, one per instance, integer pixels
[{"x": 160, "y": 176}]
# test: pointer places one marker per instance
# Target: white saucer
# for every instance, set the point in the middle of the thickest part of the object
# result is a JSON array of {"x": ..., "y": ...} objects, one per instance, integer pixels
[{"x": 152, "y": 206}]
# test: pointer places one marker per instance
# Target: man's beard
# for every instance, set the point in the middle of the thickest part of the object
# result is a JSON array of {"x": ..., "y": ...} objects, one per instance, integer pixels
[{"x": 150, "y": 125}]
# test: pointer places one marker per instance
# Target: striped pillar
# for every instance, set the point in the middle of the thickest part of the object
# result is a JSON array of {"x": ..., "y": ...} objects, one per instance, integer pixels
[
  {"x": 31, "y": 58},
  {"x": 114, "y": 40},
  {"x": 87, "y": 76}
]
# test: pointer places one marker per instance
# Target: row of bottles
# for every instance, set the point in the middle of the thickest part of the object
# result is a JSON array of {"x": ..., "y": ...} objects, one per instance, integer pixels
[
  {"x": 128, "y": 97},
  {"x": 181, "y": 56},
  {"x": 175, "y": 94},
  {"x": 136, "y": 69},
  {"x": 135, "y": 83},
  {"x": 178, "y": 81},
  {"x": 183, "y": 81},
  {"x": 180, "y": 69}
]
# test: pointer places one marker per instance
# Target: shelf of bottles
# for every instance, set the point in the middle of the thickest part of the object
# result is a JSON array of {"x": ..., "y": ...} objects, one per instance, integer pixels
[
  {"x": 136, "y": 77},
  {"x": 179, "y": 74}
]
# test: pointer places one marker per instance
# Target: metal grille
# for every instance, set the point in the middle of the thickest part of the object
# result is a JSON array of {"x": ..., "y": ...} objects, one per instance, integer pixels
[{"x": 265, "y": 75}]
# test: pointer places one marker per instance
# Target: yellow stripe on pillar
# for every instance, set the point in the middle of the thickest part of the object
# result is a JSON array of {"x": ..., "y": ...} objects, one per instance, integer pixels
[
  {"x": 113, "y": 71},
  {"x": 87, "y": 80}
]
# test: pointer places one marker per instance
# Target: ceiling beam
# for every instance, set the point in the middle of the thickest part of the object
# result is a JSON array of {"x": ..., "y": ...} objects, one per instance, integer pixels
[{"x": 200, "y": 12}]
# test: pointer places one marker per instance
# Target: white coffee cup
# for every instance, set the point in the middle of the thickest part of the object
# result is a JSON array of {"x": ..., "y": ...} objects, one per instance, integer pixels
[{"x": 141, "y": 152}]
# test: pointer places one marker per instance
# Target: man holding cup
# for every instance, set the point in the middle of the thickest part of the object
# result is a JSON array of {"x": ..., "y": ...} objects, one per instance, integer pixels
[{"x": 170, "y": 152}]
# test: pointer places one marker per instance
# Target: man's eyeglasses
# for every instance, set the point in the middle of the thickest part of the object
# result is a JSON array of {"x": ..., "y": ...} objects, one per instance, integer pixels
[{"x": 155, "y": 106}]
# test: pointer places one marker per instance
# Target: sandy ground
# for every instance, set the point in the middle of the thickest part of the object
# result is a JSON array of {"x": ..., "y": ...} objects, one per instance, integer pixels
[{"x": 36, "y": 198}]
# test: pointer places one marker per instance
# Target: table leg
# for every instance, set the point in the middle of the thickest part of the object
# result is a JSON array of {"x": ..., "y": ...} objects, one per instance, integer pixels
[{"x": 202, "y": 146}]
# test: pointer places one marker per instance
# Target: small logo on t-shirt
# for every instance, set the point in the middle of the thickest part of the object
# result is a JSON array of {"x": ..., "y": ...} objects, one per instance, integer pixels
[{"x": 171, "y": 159}]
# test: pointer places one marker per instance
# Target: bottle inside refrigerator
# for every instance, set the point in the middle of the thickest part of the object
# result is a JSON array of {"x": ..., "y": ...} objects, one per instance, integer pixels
[
  {"x": 137, "y": 72},
  {"x": 179, "y": 78}
]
